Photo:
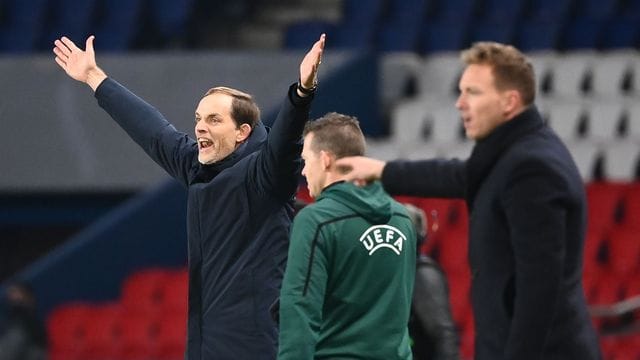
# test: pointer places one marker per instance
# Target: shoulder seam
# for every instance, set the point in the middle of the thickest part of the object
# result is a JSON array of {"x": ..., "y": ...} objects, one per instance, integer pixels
[
  {"x": 313, "y": 247},
  {"x": 315, "y": 241}
]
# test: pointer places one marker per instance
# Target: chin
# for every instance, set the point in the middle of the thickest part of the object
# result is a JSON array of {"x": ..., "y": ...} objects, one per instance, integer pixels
[
  {"x": 471, "y": 135},
  {"x": 206, "y": 160}
]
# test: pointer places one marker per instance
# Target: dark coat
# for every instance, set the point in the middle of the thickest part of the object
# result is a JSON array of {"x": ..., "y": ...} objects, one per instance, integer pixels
[
  {"x": 238, "y": 217},
  {"x": 527, "y": 216},
  {"x": 431, "y": 324}
]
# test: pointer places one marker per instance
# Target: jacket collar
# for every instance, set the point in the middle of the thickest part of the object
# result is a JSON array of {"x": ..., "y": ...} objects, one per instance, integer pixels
[
  {"x": 488, "y": 150},
  {"x": 257, "y": 138}
]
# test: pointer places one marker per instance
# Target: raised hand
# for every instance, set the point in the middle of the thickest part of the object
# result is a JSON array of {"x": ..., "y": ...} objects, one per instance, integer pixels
[
  {"x": 310, "y": 64},
  {"x": 77, "y": 63}
]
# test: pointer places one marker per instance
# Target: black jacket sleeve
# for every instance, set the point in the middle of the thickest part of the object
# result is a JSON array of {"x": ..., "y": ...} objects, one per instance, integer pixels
[
  {"x": 426, "y": 178},
  {"x": 278, "y": 165},
  {"x": 172, "y": 150}
]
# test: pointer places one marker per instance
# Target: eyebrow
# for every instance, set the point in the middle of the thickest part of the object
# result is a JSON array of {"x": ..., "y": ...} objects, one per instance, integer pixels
[
  {"x": 210, "y": 115},
  {"x": 467, "y": 87}
]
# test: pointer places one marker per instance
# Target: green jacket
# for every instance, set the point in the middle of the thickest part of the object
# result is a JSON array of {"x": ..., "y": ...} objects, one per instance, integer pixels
[{"x": 348, "y": 283}]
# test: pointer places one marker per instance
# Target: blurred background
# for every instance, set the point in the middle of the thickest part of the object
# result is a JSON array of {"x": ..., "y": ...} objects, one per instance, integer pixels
[{"x": 95, "y": 230}]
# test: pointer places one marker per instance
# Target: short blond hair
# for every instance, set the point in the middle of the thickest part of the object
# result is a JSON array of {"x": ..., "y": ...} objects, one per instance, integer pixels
[{"x": 511, "y": 69}]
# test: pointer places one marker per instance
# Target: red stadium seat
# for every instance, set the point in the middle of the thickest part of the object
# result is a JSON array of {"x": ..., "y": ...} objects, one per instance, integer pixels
[
  {"x": 603, "y": 200},
  {"x": 631, "y": 207},
  {"x": 66, "y": 329},
  {"x": 444, "y": 216},
  {"x": 176, "y": 292},
  {"x": 595, "y": 241},
  {"x": 453, "y": 245},
  {"x": 631, "y": 287},
  {"x": 137, "y": 336},
  {"x": 171, "y": 338},
  {"x": 624, "y": 251},
  {"x": 608, "y": 290},
  {"x": 467, "y": 339},
  {"x": 143, "y": 291},
  {"x": 437, "y": 211},
  {"x": 608, "y": 345},
  {"x": 103, "y": 332},
  {"x": 627, "y": 347}
]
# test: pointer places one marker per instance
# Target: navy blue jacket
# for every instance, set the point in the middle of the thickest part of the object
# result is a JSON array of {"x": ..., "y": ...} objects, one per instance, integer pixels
[
  {"x": 526, "y": 236},
  {"x": 238, "y": 219}
]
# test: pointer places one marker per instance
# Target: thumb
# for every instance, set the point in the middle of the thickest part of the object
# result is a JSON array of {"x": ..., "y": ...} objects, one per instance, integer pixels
[{"x": 89, "y": 44}]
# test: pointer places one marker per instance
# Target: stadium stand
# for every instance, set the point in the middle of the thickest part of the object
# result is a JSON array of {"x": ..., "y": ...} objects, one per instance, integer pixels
[{"x": 585, "y": 53}]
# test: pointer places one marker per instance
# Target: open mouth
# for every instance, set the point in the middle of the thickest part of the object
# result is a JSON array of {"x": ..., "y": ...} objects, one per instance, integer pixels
[{"x": 204, "y": 143}]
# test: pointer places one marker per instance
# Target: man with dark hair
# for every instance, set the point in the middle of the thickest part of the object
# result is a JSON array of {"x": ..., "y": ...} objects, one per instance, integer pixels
[
  {"x": 241, "y": 183},
  {"x": 526, "y": 207},
  {"x": 347, "y": 288}
]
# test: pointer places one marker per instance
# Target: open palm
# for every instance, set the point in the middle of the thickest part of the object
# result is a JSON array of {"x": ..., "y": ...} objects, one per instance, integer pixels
[
  {"x": 310, "y": 64},
  {"x": 77, "y": 63}
]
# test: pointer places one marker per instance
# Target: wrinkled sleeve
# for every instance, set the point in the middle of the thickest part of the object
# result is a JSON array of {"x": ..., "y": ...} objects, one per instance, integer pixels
[
  {"x": 172, "y": 150},
  {"x": 279, "y": 164},
  {"x": 303, "y": 290}
]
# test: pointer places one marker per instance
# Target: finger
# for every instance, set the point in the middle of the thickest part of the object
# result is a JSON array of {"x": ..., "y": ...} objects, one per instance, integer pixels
[
  {"x": 320, "y": 49},
  {"x": 61, "y": 62},
  {"x": 320, "y": 43},
  {"x": 70, "y": 44},
  {"x": 62, "y": 48},
  {"x": 345, "y": 161},
  {"x": 317, "y": 49},
  {"x": 344, "y": 168},
  {"x": 59, "y": 53},
  {"x": 89, "y": 44}
]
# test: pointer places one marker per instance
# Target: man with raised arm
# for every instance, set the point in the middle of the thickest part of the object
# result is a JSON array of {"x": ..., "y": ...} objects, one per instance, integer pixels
[{"x": 241, "y": 179}]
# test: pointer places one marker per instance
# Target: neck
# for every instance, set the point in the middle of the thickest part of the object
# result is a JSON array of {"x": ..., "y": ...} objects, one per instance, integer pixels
[
  {"x": 517, "y": 111},
  {"x": 334, "y": 177}
]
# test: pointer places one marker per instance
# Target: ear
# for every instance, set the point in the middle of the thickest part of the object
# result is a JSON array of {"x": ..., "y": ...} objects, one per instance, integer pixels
[
  {"x": 512, "y": 101},
  {"x": 327, "y": 159},
  {"x": 243, "y": 132}
]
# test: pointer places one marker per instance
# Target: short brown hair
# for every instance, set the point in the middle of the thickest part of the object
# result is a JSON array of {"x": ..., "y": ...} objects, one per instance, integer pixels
[
  {"x": 336, "y": 133},
  {"x": 511, "y": 69},
  {"x": 244, "y": 109}
]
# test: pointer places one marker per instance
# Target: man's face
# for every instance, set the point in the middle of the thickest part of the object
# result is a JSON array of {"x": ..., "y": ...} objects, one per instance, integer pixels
[
  {"x": 482, "y": 106},
  {"x": 314, "y": 169},
  {"x": 216, "y": 132}
]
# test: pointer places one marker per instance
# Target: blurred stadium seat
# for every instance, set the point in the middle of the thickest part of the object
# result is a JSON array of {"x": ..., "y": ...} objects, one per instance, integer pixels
[{"x": 21, "y": 25}]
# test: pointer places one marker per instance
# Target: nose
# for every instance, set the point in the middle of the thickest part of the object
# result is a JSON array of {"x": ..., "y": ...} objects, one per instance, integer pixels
[
  {"x": 460, "y": 103},
  {"x": 200, "y": 127}
]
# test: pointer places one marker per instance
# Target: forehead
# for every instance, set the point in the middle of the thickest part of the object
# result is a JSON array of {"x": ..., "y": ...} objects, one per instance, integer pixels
[
  {"x": 306, "y": 146},
  {"x": 215, "y": 103},
  {"x": 477, "y": 74}
]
